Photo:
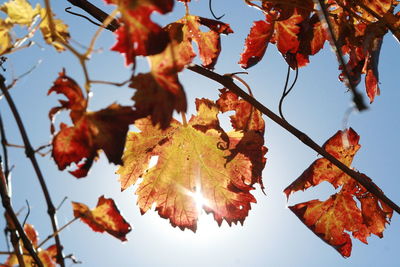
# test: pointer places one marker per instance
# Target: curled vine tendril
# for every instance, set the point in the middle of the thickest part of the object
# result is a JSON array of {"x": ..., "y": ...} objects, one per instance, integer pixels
[
  {"x": 83, "y": 16},
  {"x": 212, "y": 12},
  {"x": 287, "y": 90}
]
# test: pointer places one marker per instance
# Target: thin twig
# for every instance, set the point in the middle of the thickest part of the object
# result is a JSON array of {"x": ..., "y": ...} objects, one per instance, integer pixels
[
  {"x": 228, "y": 83},
  {"x": 110, "y": 83},
  {"x": 17, "y": 247},
  {"x": 14, "y": 224},
  {"x": 61, "y": 203},
  {"x": 5, "y": 151},
  {"x": 31, "y": 155},
  {"x": 56, "y": 233},
  {"x": 357, "y": 97},
  {"x": 106, "y": 22}
]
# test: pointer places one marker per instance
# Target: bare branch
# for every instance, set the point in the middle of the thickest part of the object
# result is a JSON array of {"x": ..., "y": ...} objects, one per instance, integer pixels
[
  {"x": 31, "y": 155},
  {"x": 14, "y": 225}
]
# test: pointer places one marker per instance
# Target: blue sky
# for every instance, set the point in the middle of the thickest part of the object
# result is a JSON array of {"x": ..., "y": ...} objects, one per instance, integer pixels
[{"x": 271, "y": 235}]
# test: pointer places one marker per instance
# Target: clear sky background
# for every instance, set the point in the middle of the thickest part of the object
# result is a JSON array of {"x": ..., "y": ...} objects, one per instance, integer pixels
[{"x": 272, "y": 235}]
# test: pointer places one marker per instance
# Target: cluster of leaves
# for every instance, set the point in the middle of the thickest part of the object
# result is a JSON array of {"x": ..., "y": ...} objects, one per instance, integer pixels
[
  {"x": 21, "y": 13},
  {"x": 297, "y": 30},
  {"x": 197, "y": 157},
  {"x": 331, "y": 219},
  {"x": 104, "y": 218}
]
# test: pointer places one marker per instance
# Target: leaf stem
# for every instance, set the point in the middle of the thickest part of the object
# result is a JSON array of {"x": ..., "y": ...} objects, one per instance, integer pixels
[
  {"x": 228, "y": 83},
  {"x": 184, "y": 121}
]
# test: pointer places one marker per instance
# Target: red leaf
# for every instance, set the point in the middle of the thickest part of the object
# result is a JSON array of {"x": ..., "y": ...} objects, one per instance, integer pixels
[
  {"x": 104, "y": 218},
  {"x": 197, "y": 160},
  {"x": 339, "y": 214},
  {"x": 105, "y": 129},
  {"x": 256, "y": 43},
  {"x": 151, "y": 99},
  {"x": 209, "y": 43},
  {"x": 139, "y": 35},
  {"x": 76, "y": 101},
  {"x": 246, "y": 117},
  {"x": 286, "y": 34}
]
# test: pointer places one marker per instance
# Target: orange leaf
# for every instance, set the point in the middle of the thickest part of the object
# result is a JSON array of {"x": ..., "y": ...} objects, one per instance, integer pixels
[
  {"x": 286, "y": 34},
  {"x": 256, "y": 43},
  {"x": 209, "y": 43},
  {"x": 339, "y": 214},
  {"x": 47, "y": 256},
  {"x": 105, "y": 129},
  {"x": 192, "y": 166},
  {"x": 138, "y": 34},
  {"x": 104, "y": 218}
]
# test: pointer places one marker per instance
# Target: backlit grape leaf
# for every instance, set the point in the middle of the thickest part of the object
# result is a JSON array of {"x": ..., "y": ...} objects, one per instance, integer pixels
[
  {"x": 5, "y": 38},
  {"x": 209, "y": 43},
  {"x": 104, "y": 218},
  {"x": 138, "y": 34},
  {"x": 47, "y": 256},
  {"x": 20, "y": 12},
  {"x": 159, "y": 92},
  {"x": 332, "y": 219},
  {"x": 192, "y": 165},
  {"x": 162, "y": 83},
  {"x": 256, "y": 43},
  {"x": 286, "y": 34},
  {"x": 105, "y": 129},
  {"x": 61, "y": 31}
]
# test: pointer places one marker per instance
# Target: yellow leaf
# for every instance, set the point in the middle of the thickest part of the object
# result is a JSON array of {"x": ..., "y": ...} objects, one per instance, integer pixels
[
  {"x": 199, "y": 167},
  {"x": 5, "y": 39},
  {"x": 20, "y": 12},
  {"x": 61, "y": 30}
]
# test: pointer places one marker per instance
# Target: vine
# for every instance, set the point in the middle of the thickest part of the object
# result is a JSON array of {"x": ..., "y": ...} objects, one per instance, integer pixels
[{"x": 222, "y": 167}]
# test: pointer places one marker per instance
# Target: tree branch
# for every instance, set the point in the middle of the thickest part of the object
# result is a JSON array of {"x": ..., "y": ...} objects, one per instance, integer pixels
[
  {"x": 14, "y": 224},
  {"x": 4, "y": 143},
  {"x": 357, "y": 99},
  {"x": 229, "y": 84},
  {"x": 31, "y": 155},
  {"x": 324, "y": 17}
]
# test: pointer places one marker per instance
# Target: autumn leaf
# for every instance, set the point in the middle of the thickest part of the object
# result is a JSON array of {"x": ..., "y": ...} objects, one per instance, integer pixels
[
  {"x": 20, "y": 12},
  {"x": 138, "y": 34},
  {"x": 332, "y": 219},
  {"x": 294, "y": 26},
  {"x": 105, "y": 129},
  {"x": 159, "y": 92},
  {"x": 104, "y": 218},
  {"x": 256, "y": 43},
  {"x": 162, "y": 82},
  {"x": 5, "y": 38},
  {"x": 47, "y": 256},
  {"x": 209, "y": 43},
  {"x": 192, "y": 163},
  {"x": 60, "y": 30}
]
